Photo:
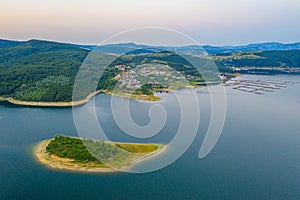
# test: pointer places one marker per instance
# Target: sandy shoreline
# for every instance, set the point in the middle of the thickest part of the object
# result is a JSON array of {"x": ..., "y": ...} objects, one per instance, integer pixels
[
  {"x": 52, "y": 104},
  {"x": 67, "y": 164},
  {"x": 74, "y": 103},
  {"x": 146, "y": 157},
  {"x": 141, "y": 97}
]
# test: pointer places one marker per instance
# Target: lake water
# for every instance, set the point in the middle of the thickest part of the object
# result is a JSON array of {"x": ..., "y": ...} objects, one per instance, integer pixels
[{"x": 256, "y": 157}]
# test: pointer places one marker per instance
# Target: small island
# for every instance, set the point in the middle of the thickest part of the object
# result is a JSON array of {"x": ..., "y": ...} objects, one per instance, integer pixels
[{"x": 77, "y": 154}]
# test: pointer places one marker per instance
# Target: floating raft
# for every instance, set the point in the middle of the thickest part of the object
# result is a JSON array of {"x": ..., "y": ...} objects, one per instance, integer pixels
[{"x": 257, "y": 86}]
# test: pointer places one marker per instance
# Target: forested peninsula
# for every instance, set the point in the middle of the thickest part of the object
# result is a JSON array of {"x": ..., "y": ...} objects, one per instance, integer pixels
[{"x": 43, "y": 73}]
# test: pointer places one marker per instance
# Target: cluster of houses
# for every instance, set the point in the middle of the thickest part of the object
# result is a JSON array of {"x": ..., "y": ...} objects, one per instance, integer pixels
[{"x": 133, "y": 78}]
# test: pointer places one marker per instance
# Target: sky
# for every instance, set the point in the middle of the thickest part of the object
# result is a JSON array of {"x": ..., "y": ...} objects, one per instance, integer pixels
[{"x": 213, "y": 22}]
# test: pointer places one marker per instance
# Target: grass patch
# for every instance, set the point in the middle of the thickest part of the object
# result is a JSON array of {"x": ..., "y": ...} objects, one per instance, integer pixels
[{"x": 87, "y": 152}]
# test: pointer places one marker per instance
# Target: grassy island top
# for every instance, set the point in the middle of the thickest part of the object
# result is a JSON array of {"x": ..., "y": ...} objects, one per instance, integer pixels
[{"x": 70, "y": 153}]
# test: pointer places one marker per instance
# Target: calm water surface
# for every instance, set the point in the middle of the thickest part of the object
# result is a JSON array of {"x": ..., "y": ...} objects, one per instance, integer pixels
[{"x": 257, "y": 156}]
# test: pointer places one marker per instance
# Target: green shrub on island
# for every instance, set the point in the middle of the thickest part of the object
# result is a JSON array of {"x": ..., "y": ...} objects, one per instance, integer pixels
[
  {"x": 75, "y": 148},
  {"x": 97, "y": 151}
]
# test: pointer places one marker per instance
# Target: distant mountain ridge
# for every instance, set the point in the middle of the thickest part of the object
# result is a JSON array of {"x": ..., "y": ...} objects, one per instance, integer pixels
[
  {"x": 194, "y": 49},
  {"x": 270, "y": 46},
  {"x": 124, "y": 48},
  {"x": 8, "y": 43}
]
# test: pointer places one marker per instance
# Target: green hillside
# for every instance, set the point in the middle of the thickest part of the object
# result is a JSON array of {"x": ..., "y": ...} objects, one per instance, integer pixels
[
  {"x": 43, "y": 71},
  {"x": 39, "y": 70}
]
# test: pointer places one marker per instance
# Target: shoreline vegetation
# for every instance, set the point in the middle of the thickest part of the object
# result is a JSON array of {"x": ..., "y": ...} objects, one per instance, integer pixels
[
  {"x": 77, "y": 103},
  {"x": 120, "y": 156},
  {"x": 42, "y": 73},
  {"x": 141, "y": 97},
  {"x": 49, "y": 70}
]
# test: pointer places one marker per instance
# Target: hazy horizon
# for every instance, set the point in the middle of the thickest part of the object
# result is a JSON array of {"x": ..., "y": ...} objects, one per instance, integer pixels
[
  {"x": 214, "y": 22},
  {"x": 75, "y": 43}
]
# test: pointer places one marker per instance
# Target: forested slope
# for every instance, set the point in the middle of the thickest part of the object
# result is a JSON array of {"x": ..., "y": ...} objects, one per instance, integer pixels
[{"x": 39, "y": 70}]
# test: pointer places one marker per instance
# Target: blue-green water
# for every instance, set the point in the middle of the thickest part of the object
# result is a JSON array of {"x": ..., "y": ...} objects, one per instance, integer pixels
[{"x": 257, "y": 156}]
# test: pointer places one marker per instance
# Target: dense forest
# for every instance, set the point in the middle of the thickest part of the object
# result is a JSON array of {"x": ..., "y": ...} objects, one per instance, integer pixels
[
  {"x": 39, "y": 71},
  {"x": 43, "y": 71},
  {"x": 96, "y": 151},
  {"x": 75, "y": 148}
]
